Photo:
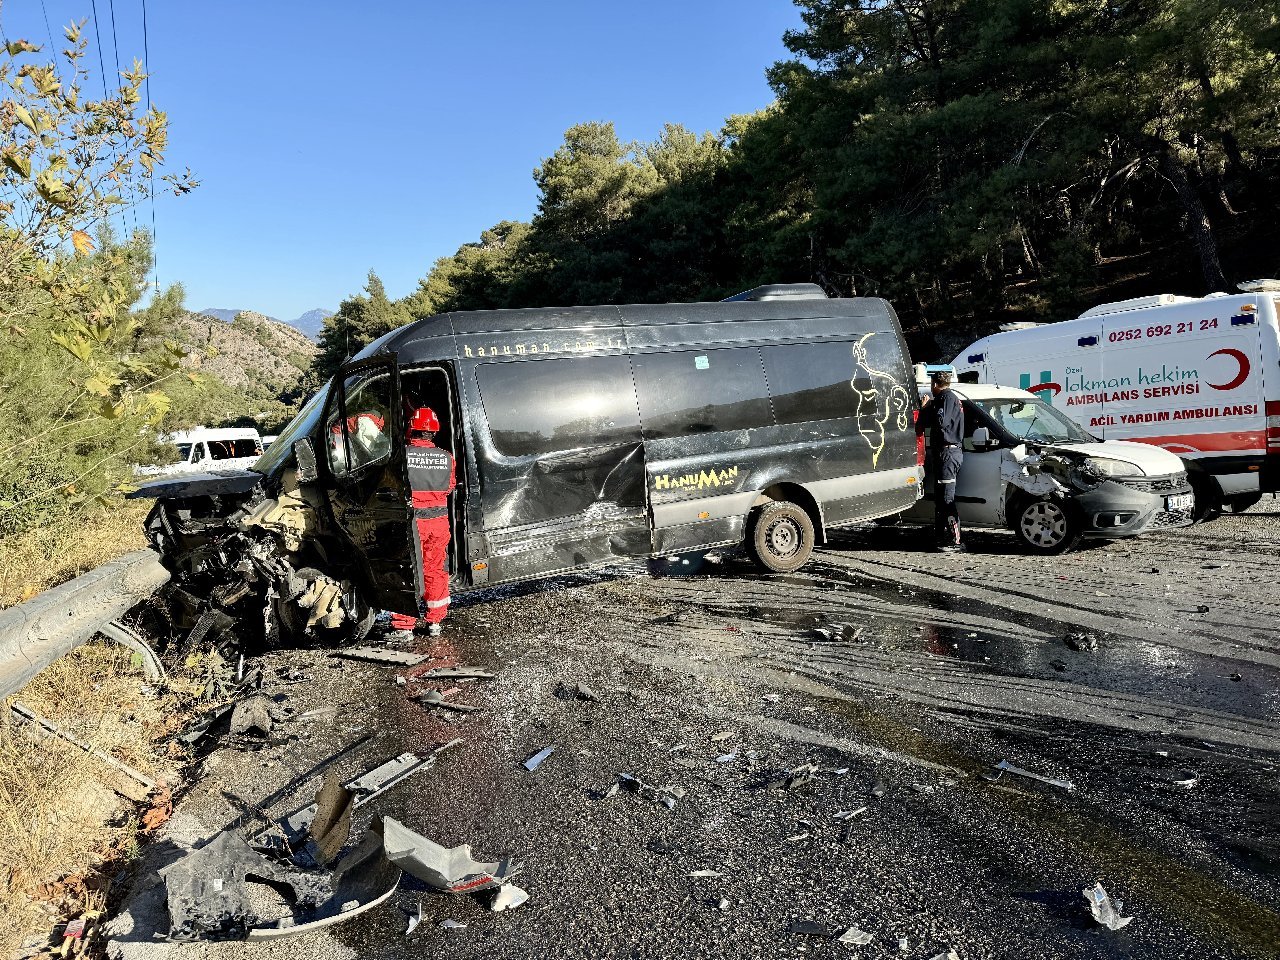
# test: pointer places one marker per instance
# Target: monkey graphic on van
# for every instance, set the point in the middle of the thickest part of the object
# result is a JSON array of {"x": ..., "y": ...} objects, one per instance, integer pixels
[{"x": 880, "y": 399}]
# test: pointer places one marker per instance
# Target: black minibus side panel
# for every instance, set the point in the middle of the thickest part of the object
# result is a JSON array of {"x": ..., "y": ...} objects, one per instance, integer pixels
[{"x": 561, "y": 463}]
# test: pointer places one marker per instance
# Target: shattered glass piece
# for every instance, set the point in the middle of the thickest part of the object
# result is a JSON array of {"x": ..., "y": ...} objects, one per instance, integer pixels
[
  {"x": 949, "y": 955},
  {"x": 726, "y": 758},
  {"x": 452, "y": 924},
  {"x": 849, "y": 814},
  {"x": 1103, "y": 909},
  {"x": 722, "y": 736},
  {"x": 444, "y": 868},
  {"x": 508, "y": 897},
  {"x": 535, "y": 761},
  {"x": 1018, "y": 771},
  {"x": 1081, "y": 641},
  {"x": 612, "y": 791},
  {"x": 855, "y": 938},
  {"x": 903, "y": 946},
  {"x": 583, "y": 692},
  {"x": 706, "y": 873},
  {"x": 799, "y": 836},
  {"x": 772, "y": 698},
  {"x": 723, "y": 904},
  {"x": 879, "y": 789}
]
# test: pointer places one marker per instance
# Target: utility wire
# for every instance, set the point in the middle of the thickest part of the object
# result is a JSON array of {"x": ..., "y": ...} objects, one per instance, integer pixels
[
  {"x": 53, "y": 47},
  {"x": 115, "y": 52},
  {"x": 151, "y": 176}
]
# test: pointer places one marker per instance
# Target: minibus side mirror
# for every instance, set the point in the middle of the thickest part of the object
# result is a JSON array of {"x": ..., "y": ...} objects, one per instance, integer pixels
[{"x": 305, "y": 456}]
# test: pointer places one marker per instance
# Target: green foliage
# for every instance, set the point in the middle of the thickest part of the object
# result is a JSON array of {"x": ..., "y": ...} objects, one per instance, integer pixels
[
  {"x": 87, "y": 377},
  {"x": 358, "y": 320}
]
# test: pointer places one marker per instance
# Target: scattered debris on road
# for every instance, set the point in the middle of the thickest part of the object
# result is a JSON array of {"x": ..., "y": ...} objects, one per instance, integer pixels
[
  {"x": 1105, "y": 910},
  {"x": 452, "y": 869},
  {"x": 535, "y": 761},
  {"x": 855, "y": 938},
  {"x": 381, "y": 655},
  {"x": 1082, "y": 641},
  {"x": 1005, "y": 765}
]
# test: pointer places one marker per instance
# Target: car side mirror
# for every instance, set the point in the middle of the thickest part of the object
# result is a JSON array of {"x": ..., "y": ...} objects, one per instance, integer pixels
[
  {"x": 305, "y": 457},
  {"x": 982, "y": 439}
]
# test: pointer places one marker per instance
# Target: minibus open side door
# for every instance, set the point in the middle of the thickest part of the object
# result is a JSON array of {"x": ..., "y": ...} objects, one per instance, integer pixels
[{"x": 367, "y": 480}]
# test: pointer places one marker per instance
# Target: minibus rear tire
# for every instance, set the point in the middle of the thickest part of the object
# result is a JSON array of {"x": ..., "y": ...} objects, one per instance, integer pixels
[{"x": 781, "y": 537}]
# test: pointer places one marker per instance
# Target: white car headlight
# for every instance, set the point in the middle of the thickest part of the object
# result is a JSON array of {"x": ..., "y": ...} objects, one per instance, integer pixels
[{"x": 1107, "y": 467}]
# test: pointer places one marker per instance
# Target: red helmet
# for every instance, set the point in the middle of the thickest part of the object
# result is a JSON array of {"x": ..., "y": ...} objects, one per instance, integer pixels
[{"x": 424, "y": 419}]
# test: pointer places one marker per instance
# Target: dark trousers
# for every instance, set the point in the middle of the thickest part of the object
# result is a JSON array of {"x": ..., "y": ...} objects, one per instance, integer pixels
[{"x": 946, "y": 467}]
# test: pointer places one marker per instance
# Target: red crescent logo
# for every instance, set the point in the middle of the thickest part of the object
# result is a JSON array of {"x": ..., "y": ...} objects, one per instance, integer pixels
[
  {"x": 1241, "y": 376},
  {"x": 1051, "y": 388}
]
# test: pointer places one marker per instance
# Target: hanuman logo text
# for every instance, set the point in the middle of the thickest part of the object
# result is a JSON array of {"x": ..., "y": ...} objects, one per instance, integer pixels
[{"x": 697, "y": 481}]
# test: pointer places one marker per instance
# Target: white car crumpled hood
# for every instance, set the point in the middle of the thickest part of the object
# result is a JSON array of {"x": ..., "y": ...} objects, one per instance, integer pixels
[{"x": 1152, "y": 460}]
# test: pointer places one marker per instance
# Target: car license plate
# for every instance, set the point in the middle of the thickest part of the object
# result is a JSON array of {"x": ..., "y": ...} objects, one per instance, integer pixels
[{"x": 1180, "y": 501}]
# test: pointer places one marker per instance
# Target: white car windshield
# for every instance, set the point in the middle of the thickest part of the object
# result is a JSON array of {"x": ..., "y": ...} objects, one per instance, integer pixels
[{"x": 1034, "y": 420}]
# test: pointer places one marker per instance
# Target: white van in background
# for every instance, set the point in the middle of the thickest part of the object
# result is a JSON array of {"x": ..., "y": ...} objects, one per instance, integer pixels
[
  {"x": 210, "y": 450},
  {"x": 1199, "y": 376}
]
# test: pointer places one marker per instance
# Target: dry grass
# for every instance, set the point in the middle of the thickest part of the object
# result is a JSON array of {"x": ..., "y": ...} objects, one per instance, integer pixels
[
  {"x": 58, "y": 820},
  {"x": 36, "y": 561}
]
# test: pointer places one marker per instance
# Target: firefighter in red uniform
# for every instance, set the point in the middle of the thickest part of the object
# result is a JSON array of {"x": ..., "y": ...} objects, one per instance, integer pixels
[{"x": 431, "y": 475}]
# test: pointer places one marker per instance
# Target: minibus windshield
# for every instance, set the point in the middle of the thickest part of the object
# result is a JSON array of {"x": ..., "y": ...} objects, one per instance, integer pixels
[{"x": 301, "y": 426}]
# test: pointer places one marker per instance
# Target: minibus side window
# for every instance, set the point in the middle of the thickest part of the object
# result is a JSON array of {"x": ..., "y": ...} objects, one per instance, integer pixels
[
  {"x": 811, "y": 381},
  {"x": 701, "y": 391},
  {"x": 543, "y": 406}
]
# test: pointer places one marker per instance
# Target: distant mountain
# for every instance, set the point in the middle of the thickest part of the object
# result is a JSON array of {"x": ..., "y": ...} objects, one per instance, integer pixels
[
  {"x": 220, "y": 313},
  {"x": 254, "y": 355},
  {"x": 310, "y": 323}
]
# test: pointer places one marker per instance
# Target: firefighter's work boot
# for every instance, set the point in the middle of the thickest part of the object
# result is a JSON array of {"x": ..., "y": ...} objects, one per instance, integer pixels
[
  {"x": 434, "y": 629},
  {"x": 398, "y": 638}
]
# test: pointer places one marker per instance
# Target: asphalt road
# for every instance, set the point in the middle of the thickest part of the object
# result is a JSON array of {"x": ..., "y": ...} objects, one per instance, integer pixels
[{"x": 906, "y": 678}]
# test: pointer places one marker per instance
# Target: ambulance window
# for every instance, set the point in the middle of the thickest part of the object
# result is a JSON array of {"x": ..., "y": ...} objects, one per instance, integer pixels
[
  {"x": 810, "y": 381},
  {"x": 701, "y": 391},
  {"x": 542, "y": 406}
]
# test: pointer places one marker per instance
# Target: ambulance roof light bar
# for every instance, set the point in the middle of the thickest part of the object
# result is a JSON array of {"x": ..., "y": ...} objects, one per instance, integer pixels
[{"x": 1137, "y": 303}]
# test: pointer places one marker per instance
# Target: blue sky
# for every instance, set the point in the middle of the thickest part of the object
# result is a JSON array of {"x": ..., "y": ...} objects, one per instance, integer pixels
[{"x": 334, "y": 137}]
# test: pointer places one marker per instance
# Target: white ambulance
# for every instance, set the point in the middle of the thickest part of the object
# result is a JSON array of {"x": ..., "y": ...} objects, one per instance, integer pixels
[{"x": 1197, "y": 376}]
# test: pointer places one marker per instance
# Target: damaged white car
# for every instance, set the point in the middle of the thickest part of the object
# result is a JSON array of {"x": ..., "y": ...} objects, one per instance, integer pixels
[{"x": 1030, "y": 468}]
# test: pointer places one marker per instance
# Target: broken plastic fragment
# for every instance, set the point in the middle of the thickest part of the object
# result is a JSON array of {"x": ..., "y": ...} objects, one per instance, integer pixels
[
  {"x": 536, "y": 760},
  {"x": 949, "y": 955},
  {"x": 508, "y": 897},
  {"x": 252, "y": 715},
  {"x": 452, "y": 924},
  {"x": 796, "y": 777},
  {"x": 443, "y": 868},
  {"x": 1104, "y": 910},
  {"x": 721, "y": 736},
  {"x": 855, "y": 938},
  {"x": 799, "y": 836},
  {"x": 726, "y": 758},
  {"x": 414, "y": 921},
  {"x": 1018, "y": 771},
  {"x": 705, "y": 873},
  {"x": 723, "y": 904}
]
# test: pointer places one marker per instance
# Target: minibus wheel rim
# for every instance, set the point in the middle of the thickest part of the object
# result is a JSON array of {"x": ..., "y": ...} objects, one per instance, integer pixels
[{"x": 784, "y": 538}]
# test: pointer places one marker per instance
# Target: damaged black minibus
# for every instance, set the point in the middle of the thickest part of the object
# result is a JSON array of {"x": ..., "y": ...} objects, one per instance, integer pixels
[{"x": 581, "y": 435}]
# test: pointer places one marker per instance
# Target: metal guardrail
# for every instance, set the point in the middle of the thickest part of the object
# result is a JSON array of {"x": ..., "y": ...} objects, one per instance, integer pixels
[{"x": 44, "y": 629}]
